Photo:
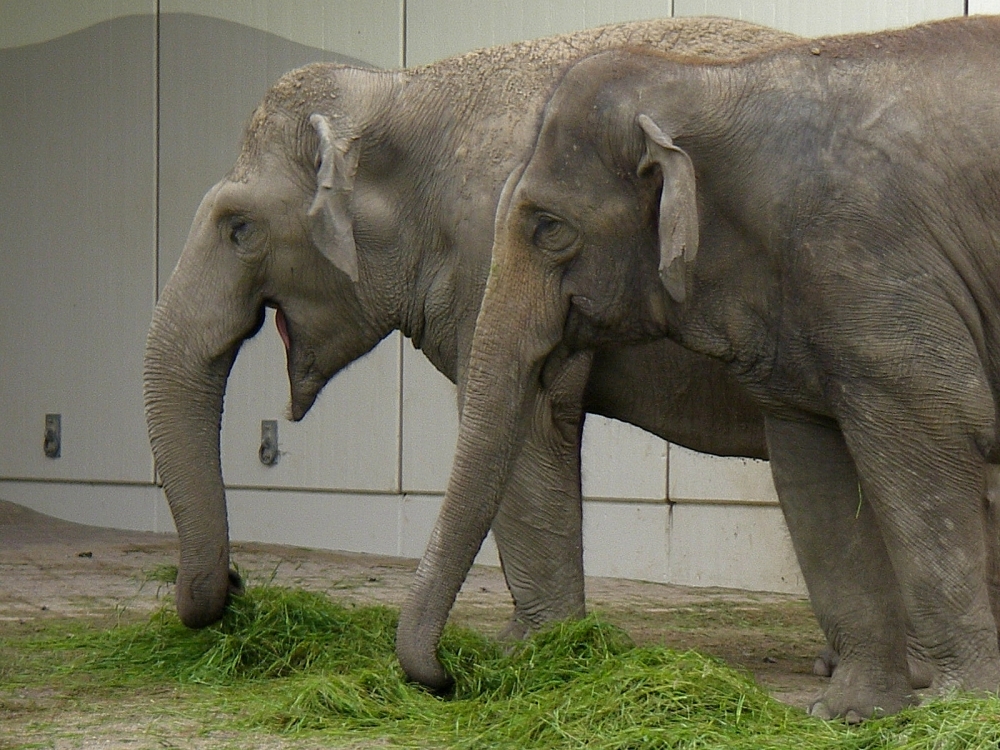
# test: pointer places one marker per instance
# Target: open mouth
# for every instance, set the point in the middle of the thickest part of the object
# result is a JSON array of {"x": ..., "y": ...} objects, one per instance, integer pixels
[
  {"x": 282, "y": 324},
  {"x": 304, "y": 381}
]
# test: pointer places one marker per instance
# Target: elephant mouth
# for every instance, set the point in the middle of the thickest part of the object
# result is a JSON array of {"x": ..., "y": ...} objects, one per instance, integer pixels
[
  {"x": 580, "y": 330},
  {"x": 282, "y": 323},
  {"x": 304, "y": 380},
  {"x": 589, "y": 325}
]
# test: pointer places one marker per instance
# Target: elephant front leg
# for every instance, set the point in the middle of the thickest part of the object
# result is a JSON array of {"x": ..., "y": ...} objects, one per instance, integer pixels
[
  {"x": 539, "y": 526},
  {"x": 538, "y": 529},
  {"x": 852, "y": 586},
  {"x": 929, "y": 503},
  {"x": 991, "y": 527},
  {"x": 922, "y": 669}
]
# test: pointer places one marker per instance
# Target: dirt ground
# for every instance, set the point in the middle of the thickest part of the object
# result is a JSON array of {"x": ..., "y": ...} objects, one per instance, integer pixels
[{"x": 54, "y": 569}]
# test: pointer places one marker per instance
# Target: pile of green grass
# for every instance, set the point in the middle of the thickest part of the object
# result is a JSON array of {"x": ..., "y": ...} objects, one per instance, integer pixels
[{"x": 294, "y": 661}]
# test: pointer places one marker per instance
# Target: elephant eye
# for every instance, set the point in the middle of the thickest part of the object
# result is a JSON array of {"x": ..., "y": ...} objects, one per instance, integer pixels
[
  {"x": 239, "y": 230},
  {"x": 552, "y": 234},
  {"x": 247, "y": 237}
]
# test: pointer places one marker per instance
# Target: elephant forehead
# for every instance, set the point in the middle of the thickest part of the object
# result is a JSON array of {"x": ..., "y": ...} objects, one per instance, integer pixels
[
  {"x": 269, "y": 191},
  {"x": 581, "y": 189}
]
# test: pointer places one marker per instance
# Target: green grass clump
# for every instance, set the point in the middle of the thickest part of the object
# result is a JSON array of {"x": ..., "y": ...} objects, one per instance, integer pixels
[
  {"x": 266, "y": 633},
  {"x": 293, "y": 661}
]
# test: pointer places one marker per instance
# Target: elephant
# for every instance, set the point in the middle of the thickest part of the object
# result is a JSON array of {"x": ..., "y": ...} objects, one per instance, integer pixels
[
  {"x": 823, "y": 219},
  {"x": 363, "y": 202}
]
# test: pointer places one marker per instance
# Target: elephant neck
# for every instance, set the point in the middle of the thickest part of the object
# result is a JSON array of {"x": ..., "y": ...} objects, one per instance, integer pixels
[
  {"x": 431, "y": 311},
  {"x": 433, "y": 182}
]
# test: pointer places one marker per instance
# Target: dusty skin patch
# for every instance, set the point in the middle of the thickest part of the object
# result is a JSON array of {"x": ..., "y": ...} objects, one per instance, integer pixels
[{"x": 55, "y": 569}]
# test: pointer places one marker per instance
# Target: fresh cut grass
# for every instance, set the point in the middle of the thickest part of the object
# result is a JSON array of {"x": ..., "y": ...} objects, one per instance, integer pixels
[{"x": 295, "y": 662}]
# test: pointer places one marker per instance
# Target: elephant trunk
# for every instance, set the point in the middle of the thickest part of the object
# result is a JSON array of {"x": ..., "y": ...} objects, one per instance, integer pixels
[
  {"x": 485, "y": 450},
  {"x": 503, "y": 390},
  {"x": 186, "y": 367}
]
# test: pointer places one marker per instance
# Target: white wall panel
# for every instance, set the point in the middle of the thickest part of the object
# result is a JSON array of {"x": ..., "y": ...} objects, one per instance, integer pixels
[
  {"x": 830, "y": 17},
  {"x": 352, "y": 523},
  {"x": 391, "y": 524},
  {"x": 215, "y": 67},
  {"x": 368, "y": 31},
  {"x": 620, "y": 461},
  {"x": 440, "y": 28},
  {"x": 37, "y": 21},
  {"x": 983, "y": 6},
  {"x": 115, "y": 506},
  {"x": 703, "y": 478},
  {"x": 77, "y": 217},
  {"x": 348, "y": 441},
  {"x": 734, "y": 546},
  {"x": 626, "y": 540}
]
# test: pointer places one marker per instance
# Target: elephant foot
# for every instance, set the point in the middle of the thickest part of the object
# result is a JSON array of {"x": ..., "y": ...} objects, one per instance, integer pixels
[
  {"x": 921, "y": 670},
  {"x": 515, "y": 630},
  {"x": 858, "y": 692},
  {"x": 982, "y": 678}
]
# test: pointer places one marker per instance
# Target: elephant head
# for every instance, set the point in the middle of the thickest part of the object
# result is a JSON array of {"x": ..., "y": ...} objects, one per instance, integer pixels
[
  {"x": 562, "y": 282},
  {"x": 277, "y": 232}
]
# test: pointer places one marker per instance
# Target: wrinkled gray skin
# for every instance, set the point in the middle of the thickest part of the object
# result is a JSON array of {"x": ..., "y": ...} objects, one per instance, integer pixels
[
  {"x": 825, "y": 220},
  {"x": 363, "y": 202}
]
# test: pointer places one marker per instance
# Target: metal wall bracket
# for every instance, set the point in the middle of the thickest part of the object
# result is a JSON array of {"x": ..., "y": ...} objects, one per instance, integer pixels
[
  {"x": 52, "y": 444},
  {"x": 268, "y": 452}
]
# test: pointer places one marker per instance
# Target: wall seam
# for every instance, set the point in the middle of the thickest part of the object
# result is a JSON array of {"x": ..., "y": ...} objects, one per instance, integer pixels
[
  {"x": 399, "y": 415},
  {"x": 156, "y": 192},
  {"x": 403, "y": 11},
  {"x": 156, "y": 162}
]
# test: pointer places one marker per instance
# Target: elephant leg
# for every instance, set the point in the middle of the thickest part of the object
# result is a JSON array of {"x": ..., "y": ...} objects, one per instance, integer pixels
[
  {"x": 992, "y": 536},
  {"x": 538, "y": 530},
  {"x": 927, "y": 493},
  {"x": 921, "y": 664},
  {"x": 852, "y": 586},
  {"x": 539, "y": 524}
]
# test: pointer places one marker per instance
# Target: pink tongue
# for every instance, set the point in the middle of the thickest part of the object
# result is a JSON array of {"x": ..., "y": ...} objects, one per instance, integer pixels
[{"x": 279, "y": 319}]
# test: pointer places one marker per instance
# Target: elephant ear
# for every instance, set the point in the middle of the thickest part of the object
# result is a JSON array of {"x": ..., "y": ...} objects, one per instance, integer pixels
[
  {"x": 331, "y": 226},
  {"x": 678, "y": 221}
]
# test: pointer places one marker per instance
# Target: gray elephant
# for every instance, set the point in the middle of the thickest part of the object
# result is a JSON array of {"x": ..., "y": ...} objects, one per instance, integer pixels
[
  {"x": 363, "y": 202},
  {"x": 825, "y": 220}
]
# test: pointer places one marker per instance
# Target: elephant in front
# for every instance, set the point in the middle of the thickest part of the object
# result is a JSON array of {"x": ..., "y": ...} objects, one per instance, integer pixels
[
  {"x": 824, "y": 220},
  {"x": 363, "y": 202}
]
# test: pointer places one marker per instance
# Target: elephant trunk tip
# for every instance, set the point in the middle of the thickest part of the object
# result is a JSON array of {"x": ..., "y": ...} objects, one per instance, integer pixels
[
  {"x": 197, "y": 617},
  {"x": 425, "y": 669},
  {"x": 207, "y": 607}
]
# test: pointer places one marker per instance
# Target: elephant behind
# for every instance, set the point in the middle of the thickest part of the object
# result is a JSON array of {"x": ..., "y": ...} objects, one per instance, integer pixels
[{"x": 362, "y": 202}]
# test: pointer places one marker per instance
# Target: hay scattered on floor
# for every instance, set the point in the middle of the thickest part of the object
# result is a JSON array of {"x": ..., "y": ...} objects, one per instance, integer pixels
[{"x": 295, "y": 661}]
